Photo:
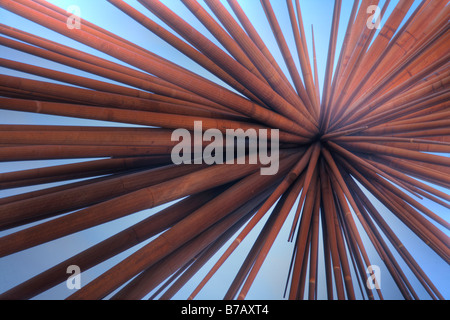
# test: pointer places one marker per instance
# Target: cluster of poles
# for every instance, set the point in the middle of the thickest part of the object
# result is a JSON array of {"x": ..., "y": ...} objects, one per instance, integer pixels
[{"x": 377, "y": 128}]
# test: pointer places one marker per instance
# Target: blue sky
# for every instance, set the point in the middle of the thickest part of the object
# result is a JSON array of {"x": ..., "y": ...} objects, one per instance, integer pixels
[{"x": 271, "y": 279}]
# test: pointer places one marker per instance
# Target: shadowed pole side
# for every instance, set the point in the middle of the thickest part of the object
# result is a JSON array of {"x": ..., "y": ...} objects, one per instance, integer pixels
[
  {"x": 110, "y": 247},
  {"x": 176, "y": 236},
  {"x": 152, "y": 276}
]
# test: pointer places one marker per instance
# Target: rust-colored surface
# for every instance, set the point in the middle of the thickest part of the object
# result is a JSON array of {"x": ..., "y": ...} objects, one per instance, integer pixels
[{"x": 372, "y": 133}]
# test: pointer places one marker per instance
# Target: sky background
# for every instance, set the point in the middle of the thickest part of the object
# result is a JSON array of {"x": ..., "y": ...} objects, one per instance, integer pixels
[{"x": 271, "y": 279}]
